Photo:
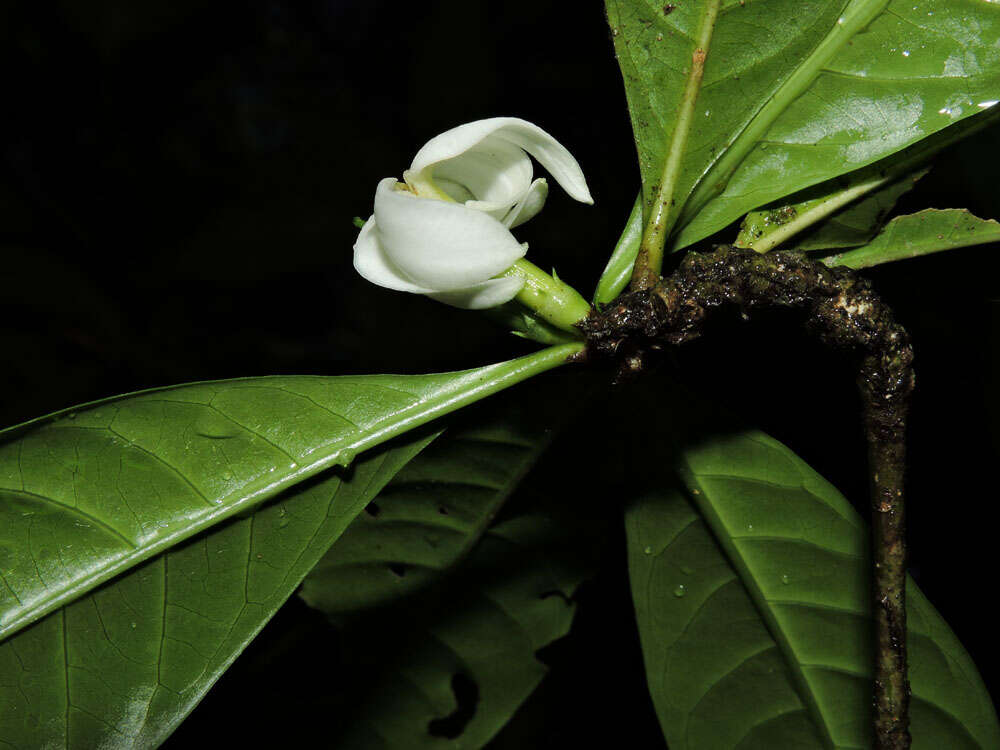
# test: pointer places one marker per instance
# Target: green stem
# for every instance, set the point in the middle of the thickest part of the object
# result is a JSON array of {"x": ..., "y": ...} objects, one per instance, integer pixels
[{"x": 550, "y": 298}]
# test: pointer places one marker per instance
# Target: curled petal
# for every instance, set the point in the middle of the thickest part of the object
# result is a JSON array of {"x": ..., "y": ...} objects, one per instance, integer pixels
[
  {"x": 489, "y": 293},
  {"x": 495, "y": 173},
  {"x": 521, "y": 133},
  {"x": 529, "y": 205},
  {"x": 438, "y": 245},
  {"x": 372, "y": 263}
]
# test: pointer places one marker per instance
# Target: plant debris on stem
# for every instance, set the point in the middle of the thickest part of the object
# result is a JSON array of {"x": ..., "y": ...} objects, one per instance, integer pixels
[{"x": 844, "y": 311}]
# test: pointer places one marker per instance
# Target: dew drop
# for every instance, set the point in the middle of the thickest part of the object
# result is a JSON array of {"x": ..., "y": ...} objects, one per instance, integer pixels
[
  {"x": 680, "y": 591},
  {"x": 906, "y": 53},
  {"x": 708, "y": 112},
  {"x": 227, "y": 475},
  {"x": 72, "y": 415},
  {"x": 134, "y": 625},
  {"x": 749, "y": 527},
  {"x": 648, "y": 550},
  {"x": 785, "y": 579}
]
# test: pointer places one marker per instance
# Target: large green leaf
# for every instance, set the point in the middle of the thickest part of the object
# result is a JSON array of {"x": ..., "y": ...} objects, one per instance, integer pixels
[
  {"x": 922, "y": 233},
  {"x": 87, "y": 494},
  {"x": 122, "y": 666},
  {"x": 751, "y": 585},
  {"x": 793, "y": 93},
  {"x": 470, "y": 603},
  {"x": 165, "y": 486}
]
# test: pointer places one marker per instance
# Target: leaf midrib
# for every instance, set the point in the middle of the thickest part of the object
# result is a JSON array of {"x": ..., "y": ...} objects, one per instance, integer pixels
[
  {"x": 663, "y": 211},
  {"x": 749, "y": 581},
  {"x": 856, "y": 15}
]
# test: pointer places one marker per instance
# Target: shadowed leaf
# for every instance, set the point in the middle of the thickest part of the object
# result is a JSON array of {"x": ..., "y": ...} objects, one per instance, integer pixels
[{"x": 751, "y": 585}]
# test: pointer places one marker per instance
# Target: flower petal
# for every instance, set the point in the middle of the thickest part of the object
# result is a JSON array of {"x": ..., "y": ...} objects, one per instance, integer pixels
[
  {"x": 439, "y": 245},
  {"x": 495, "y": 172},
  {"x": 549, "y": 152},
  {"x": 371, "y": 262},
  {"x": 529, "y": 205},
  {"x": 489, "y": 293}
]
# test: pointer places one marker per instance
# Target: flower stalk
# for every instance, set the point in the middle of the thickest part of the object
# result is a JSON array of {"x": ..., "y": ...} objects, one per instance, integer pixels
[{"x": 549, "y": 297}]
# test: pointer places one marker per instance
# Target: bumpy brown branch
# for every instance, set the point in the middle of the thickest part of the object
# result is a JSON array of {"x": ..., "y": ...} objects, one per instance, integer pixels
[{"x": 844, "y": 311}]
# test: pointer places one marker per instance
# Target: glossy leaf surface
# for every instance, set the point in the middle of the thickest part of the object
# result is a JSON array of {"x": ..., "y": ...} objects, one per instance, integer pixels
[
  {"x": 751, "y": 585},
  {"x": 792, "y": 94},
  {"x": 922, "y": 233},
  {"x": 122, "y": 666},
  {"x": 127, "y": 484},
  {"x": 455, "y": 607},
  {"x": 90, "y": 493}
]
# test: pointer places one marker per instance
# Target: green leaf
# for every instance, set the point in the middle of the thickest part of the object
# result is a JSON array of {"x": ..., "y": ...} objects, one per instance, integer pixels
[
  {"x": 793, "y": 93},
  {"x": 618, "y": 271},
  {"x": 465, "y": 654},
  {"x": 859, "y": 221},
  {"x": 122, "y": 666},
  {"x": 437, "y": 508},
  {"x": 922, "y": 233},
  {"x": 90, "y": 493},
  {"x": 468, "y": 599},
  {"x": 813, "y": 205},
  {"x": 868, "y": 200},
  {"x": 751, "y": 587}
]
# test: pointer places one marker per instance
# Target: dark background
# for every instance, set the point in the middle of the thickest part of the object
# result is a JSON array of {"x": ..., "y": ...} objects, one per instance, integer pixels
[{"x": 177, "y": 182}]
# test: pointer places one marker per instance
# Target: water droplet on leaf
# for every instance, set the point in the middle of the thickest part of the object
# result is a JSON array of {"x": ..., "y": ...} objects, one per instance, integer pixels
[{"x": 680, "y": 591}]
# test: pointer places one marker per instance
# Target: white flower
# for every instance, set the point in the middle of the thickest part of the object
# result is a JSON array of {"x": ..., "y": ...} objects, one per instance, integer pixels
[{"x": 446, "y": 231}]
